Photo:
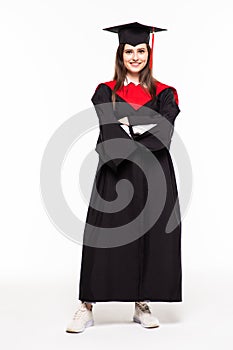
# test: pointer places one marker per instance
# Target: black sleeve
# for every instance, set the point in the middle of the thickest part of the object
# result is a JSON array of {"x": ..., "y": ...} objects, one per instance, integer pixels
[
  {"x": 110, "y": 129},
  {"x": 160, "y": 135}
]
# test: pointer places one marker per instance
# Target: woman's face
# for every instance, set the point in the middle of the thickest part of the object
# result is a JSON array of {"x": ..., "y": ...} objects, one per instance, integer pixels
[{"x": 135, "y": 57}]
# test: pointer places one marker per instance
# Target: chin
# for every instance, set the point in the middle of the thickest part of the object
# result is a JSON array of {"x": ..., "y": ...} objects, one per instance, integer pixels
[{"x": 135, "y": 70}]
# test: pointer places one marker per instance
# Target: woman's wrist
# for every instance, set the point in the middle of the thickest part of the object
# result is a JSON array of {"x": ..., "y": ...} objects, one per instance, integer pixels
[{"x": 124, "y": 120}]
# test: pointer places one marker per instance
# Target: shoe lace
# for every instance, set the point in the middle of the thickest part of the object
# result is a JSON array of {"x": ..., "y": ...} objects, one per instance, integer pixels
[
  {"x": 79, "y": 312},
  {"x": 143, "y": 307}
]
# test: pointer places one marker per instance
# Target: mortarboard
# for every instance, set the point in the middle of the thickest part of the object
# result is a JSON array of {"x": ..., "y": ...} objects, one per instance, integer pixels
[{"x": 135, "y": 33}]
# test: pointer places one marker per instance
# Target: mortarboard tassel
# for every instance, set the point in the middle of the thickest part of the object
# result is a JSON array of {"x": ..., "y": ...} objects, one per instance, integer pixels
[{"x": 152, "y": 48}]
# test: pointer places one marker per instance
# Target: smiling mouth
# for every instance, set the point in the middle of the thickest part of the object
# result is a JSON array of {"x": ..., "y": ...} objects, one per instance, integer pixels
[{"x": 135, "y": 63}]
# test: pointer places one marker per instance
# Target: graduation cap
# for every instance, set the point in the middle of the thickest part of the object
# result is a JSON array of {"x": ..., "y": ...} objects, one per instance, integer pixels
[{"x": 135, "y": 33}]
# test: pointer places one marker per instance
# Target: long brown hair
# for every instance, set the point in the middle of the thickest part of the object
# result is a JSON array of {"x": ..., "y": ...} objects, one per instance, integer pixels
[{"x": 145, "y": 75}]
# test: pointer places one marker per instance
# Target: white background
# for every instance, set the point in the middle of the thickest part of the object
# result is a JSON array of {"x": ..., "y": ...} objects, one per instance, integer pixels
[{"x": 53, "y": 55}]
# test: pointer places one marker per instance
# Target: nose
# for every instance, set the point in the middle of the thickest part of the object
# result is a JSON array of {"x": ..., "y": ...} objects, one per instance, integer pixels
[{"x": 135, "y": 56}]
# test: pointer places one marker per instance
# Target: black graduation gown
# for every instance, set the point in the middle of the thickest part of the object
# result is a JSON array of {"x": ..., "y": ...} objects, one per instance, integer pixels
[{"x": 148, "y": 267}]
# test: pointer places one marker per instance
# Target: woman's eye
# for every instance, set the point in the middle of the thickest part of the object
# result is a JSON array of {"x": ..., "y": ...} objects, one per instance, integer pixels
[{"x": 130, "y": 52}]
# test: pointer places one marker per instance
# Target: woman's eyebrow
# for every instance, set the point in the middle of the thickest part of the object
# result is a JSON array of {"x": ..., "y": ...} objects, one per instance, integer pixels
[{"x": 140, "y": 48}]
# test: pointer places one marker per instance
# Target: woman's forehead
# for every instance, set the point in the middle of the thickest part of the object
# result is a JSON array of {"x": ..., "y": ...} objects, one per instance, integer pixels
[{"x": 142, "y": 45}]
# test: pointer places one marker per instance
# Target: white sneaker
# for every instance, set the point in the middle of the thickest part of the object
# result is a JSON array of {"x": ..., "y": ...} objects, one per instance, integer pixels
[
  {"x": 82, "y": 318},
  {"x": 143, "y": 315}
]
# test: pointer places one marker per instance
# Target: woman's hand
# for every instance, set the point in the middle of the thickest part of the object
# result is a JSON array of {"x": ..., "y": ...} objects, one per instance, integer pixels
[{"x": 124, "y": 121}]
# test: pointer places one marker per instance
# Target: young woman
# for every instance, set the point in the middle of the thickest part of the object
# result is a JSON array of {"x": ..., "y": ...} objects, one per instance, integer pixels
[{"x": 132, "y": 237}]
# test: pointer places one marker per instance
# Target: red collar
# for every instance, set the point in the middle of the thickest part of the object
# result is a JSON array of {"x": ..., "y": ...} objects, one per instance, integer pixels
[{"x": 135, "y": 95}]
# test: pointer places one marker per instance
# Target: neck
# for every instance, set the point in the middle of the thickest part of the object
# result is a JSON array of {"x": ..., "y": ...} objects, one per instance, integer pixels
[{"x": 133, "y": 76}]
